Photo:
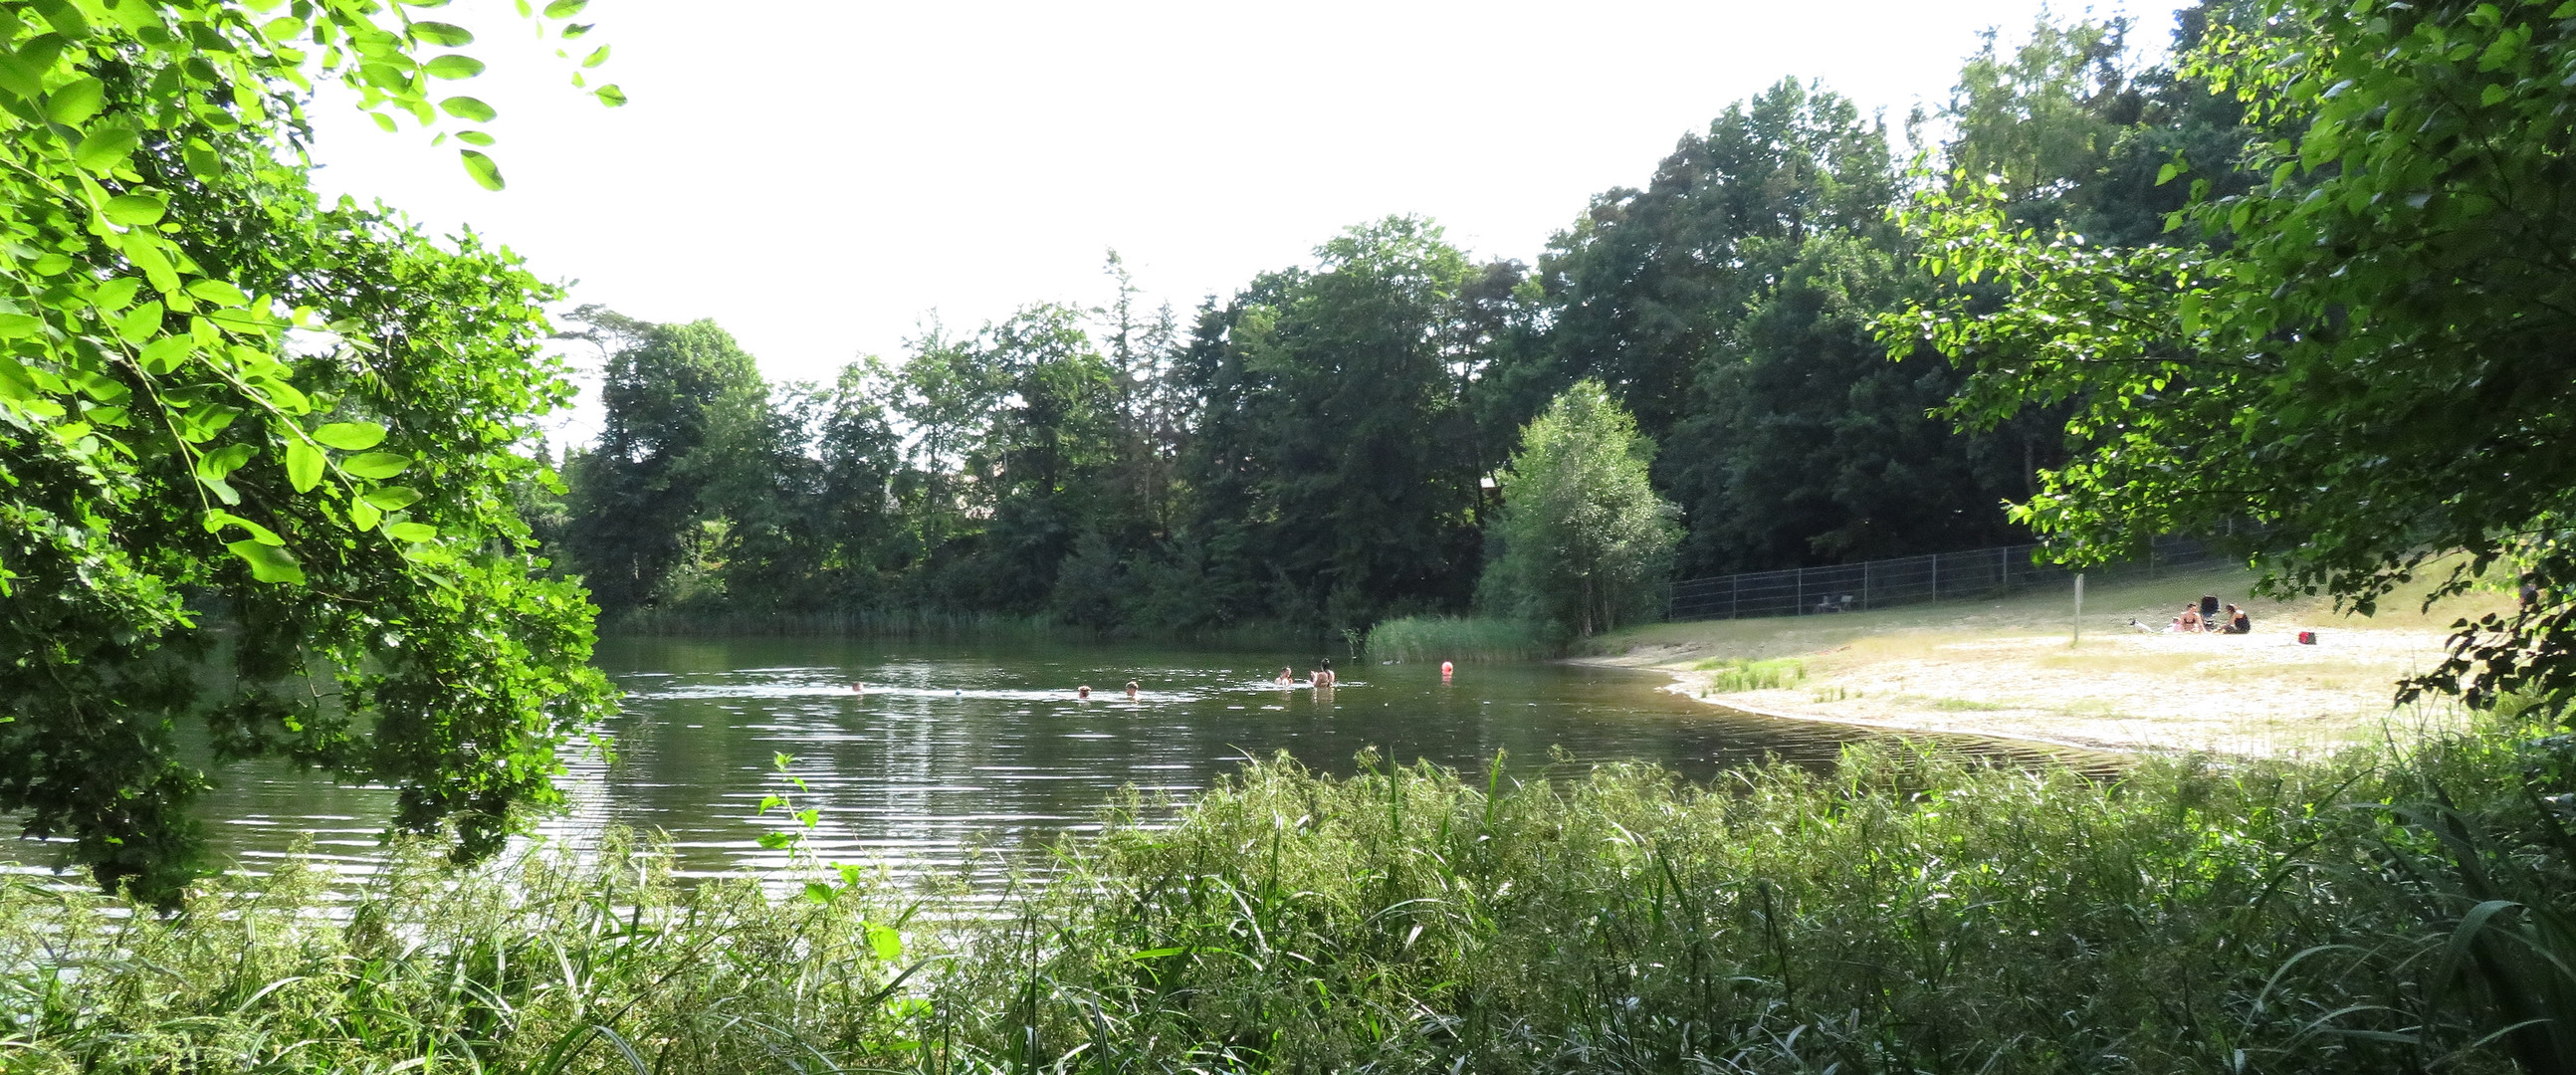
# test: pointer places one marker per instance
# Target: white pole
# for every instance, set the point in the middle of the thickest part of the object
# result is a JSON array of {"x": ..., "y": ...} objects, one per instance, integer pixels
[{"x": 2079, "y": 608}]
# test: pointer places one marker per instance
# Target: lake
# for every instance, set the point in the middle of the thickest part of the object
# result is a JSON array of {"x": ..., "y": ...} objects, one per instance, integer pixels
[{"x": 960, "y": 751}]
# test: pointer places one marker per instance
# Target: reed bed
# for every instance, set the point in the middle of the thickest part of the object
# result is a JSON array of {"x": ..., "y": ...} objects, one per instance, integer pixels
[
  {"x": 1464, "y": 639},
  {"x": 1910, "y": 911}
]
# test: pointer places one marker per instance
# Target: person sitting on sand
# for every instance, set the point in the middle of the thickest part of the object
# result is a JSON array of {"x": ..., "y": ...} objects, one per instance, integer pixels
[
  {"x": 2189, "y": 621},
  {"x": 2238, "y": 623},
  {"x": 1131, "y": 690}
]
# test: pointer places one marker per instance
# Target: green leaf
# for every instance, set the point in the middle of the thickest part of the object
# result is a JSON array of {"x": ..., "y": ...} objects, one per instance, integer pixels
[
  {"x": 391, "y": 497},
  {"x": 474, "y": 138},
  {"x": 486, "y": 174},
  {"x": 165, "y": 354},
  {"x": 885, "y": 942},
  {"x": 610, "y": 95},
  {"x": 216, "y": 464},
  {"x": 565, "y": 9},
  {"x": 597, "y": 57},
  {"x": 203, "y": 162},
  {"x": 364, "y": 515},
  {"x": 117, "y": 294},
  {"x": 454, "y": 65},
  {"x": 66, "y": 19},
  {"x": 76, "y": 101},
  {"x": 134, "y": 209},
  {"x": 140, "y": 325},
  {"x": 776, "y": 841},
  {"x": 282, "y": 29},
  {"x": 144, "y": 251},
  {"x": 818, "y": 892},
  {"x": 268, "y": 563},
  {"x": 303, "y": 466},
  {"x": 376, "y": 466},
  {"x": 14, "y": 326},
  {"x": 443, "y": 33},
  {"x": 218, "y": 292},
  {"x": 468, "y": 108},
  {"x": 411, "y": 531},
  {"x": 575, "y": 30},
  {"x": 105, "y": 148},
  {"x": 351, "y": 436}
]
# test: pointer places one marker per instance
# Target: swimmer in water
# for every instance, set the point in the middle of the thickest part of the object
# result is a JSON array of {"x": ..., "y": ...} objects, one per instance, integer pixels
[
  {"x": 858, "y": 688},
  {"x": 1083, "y": 691},
  {"x": 1131, "y": 690},
  {"x": 1286, "y": 677},
  {"x": 1324, "y": 676}
]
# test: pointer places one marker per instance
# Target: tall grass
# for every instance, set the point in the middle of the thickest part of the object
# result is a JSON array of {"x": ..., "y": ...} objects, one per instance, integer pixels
[
  {"x": 1431, "y": 639},
  {"x": 1735, "y": 675},
  {"x": 1910, "y": 911}
]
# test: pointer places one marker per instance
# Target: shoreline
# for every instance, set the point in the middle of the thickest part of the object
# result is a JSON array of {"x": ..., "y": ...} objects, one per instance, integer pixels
[
  {"x": 2104, "y": 751},
  {"x": 2247, "y": 696}
]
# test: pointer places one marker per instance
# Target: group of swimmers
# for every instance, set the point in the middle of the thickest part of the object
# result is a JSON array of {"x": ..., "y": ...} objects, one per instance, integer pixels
[
  {"x": 1083, "y": 691},
  {"x": 1320, "y": 678}
]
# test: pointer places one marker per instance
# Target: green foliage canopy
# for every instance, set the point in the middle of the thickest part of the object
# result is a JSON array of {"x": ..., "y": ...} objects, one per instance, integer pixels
[
  {"x": 1585, "y": 540},
  {"x": 2367, "y": 357},
  {"x": 243, "y": 427}
]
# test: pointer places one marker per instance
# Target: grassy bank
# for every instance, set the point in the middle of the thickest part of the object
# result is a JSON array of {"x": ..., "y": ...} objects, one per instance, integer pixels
[
  {"x": 1911, "y": 912},
  {"x": 1464, "y": 639}
]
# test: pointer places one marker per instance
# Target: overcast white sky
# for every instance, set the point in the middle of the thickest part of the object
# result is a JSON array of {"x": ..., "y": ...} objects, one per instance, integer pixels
[{"x": 820, "y": 177}]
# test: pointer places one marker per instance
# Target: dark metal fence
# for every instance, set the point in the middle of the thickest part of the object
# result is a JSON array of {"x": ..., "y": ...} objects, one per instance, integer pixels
[{"x": 1805, "y": 591}]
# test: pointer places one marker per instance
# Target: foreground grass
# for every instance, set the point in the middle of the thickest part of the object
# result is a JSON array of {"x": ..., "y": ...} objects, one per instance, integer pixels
[{"x": 1910, "y": 912}]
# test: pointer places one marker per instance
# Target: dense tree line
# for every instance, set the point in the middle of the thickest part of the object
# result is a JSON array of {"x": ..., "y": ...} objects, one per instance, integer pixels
[{"x": 1321, "y": 447}]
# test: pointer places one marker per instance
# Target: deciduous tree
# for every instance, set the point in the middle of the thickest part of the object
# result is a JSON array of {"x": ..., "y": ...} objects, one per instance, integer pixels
[{"x": 1586, "y": 543}]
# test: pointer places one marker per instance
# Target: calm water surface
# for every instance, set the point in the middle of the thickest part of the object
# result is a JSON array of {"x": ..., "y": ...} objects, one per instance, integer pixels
[{"x": 958, "y": 749}]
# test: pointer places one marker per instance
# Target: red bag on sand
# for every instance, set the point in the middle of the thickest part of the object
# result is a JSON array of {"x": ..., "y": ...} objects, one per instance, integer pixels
[{"x": 2307, "y": 638}]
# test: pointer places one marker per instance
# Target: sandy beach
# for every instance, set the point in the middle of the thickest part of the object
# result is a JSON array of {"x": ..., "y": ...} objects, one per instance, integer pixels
[{"x": 2011, "y": 668}]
